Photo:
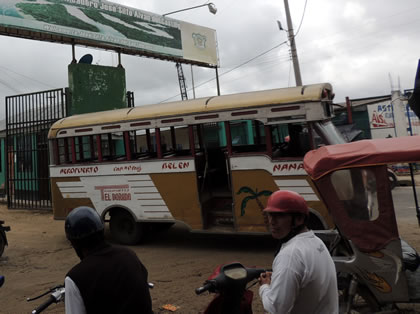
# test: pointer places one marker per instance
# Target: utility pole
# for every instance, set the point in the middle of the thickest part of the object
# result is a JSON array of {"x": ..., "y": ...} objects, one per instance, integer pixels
[{"x": 293, "y": 45}]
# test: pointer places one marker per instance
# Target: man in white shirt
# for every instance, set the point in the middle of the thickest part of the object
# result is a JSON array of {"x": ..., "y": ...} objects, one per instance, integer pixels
[{"x": 303, "y": 279}]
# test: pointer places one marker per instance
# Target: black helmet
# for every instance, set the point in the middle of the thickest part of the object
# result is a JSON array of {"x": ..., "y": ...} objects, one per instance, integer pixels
[{"x": 82, "y": 222}]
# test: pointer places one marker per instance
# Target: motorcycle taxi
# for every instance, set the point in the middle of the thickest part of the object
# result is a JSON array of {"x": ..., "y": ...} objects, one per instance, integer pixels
[{"x": 376, "y": 269}]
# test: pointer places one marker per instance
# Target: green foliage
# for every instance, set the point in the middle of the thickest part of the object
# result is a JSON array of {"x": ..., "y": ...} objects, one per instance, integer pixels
[
  {"x": 265, "y": 193},
  {"x": 137, "y": 33},
  {"x": 243, "y": 204},
  {"x": 254, "y": 195},
  {"x": 245, "y": 189},
  {"x": 54, "y": 14}
]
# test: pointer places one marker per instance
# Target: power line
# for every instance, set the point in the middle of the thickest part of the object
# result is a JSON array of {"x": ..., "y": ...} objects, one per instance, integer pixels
[
  {"x": 233, "y": 69},
  {"x": 27, "y": 77},
  {"x": 301, "y": 20}
]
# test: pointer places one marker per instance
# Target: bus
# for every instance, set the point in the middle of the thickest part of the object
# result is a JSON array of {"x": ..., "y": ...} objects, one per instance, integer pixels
[{"x": 210, "y": 163}]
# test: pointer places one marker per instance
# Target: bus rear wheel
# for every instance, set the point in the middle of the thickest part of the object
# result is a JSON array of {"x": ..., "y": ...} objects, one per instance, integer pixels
[{"x": 124, "y": 229}]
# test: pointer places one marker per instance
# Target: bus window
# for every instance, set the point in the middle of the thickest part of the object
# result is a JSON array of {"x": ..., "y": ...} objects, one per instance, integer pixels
[
  {"x": 86, "y": 148},
  {"x": 326, "y": 134},
  {"x": 290, "y": 140},
  {"x": 179, "y": 144},
  {"x": 247, "y": 136},
  {"x": 64, "y": 151},
  {"x": 112, "y": 145}
]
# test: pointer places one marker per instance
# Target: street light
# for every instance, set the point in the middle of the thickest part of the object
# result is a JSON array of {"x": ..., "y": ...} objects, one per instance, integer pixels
[
  {"x": 211, "y": 6},
  {"x": 213, "y": 10}
]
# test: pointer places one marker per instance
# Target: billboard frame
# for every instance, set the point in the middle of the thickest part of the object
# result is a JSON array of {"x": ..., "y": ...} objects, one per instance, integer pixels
[{"x": 40, "y": 36}]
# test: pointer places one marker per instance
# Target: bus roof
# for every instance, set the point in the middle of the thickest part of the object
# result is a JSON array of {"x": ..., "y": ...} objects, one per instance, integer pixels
[
  {"x": 326, "y": 159},
  {"x": 293, "y": 95}
]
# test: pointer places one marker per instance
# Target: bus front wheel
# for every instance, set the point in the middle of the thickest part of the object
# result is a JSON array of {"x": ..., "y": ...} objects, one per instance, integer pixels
[{"x": 124, "y": 229}]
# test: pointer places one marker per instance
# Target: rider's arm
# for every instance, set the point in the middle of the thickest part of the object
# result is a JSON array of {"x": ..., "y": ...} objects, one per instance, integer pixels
[
  {"x": 73, "y": 300},
  {"x": 279, "y": 296}
]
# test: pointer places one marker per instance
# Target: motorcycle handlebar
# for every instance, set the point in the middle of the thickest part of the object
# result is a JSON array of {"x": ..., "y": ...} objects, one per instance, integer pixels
[
  {"x": 254, "y": 273},
  {"x": 44, "y": 305},
  {"x": 204, "y": 288}
]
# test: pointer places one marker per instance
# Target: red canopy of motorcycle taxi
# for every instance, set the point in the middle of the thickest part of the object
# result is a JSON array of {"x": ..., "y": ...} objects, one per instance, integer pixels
[{"x": 326, "y": 159}]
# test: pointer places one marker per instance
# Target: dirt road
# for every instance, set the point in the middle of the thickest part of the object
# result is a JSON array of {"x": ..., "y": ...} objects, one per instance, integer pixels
[
  {"x": 178, "y": 262},
  {"x": 39, "y": 256}
]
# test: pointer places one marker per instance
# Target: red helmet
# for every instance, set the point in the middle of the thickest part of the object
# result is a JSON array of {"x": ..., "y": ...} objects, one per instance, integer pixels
[{"x": 289, "y": 202}]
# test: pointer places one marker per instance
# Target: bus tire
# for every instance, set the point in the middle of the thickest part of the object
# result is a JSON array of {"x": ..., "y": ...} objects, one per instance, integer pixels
[{"x": 124, "y": 229}]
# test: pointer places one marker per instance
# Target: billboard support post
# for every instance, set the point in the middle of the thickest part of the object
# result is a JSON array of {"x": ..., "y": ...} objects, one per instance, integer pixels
[
  {"x": 217, "y": 81},
  {"x": 73, "y": 52}
]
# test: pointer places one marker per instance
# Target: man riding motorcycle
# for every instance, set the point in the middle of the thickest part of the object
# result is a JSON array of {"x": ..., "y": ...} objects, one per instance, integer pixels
[{"x": 108, "y": 279}]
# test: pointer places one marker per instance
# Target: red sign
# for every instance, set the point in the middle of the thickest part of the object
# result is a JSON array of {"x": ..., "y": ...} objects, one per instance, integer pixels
[
  {"x": 114, "y": 192},
  {"x": 378, "y": 120}
]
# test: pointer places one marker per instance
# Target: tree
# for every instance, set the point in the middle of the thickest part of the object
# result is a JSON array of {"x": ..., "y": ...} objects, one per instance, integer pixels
[{"x": 254, "y": 196}]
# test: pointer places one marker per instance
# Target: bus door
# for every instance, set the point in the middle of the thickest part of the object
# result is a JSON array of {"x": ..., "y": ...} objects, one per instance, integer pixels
[{"x": 213, "y": 176}]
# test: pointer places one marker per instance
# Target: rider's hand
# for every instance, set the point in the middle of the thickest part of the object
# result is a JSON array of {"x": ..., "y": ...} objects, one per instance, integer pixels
[{"x": 265, "y": 278}]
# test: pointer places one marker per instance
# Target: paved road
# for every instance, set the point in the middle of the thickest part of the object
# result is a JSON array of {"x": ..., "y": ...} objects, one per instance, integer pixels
[{"x": 404, "y": 203}]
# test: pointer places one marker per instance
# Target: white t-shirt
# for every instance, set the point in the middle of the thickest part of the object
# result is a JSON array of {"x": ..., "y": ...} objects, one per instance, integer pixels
[
  {"x": 73, "y": 299},
  {"x": 303, "y": 280}
]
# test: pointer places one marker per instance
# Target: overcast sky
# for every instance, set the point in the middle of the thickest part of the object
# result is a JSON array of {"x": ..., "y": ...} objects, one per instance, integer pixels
[{"x": 361, "y": 47}]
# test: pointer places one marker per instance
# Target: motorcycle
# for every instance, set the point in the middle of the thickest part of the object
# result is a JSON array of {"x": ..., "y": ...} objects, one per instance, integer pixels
[
  {"x": 3, "y": 238},
  {"x": 57, "y": 295},
  {"x": 230, "y": 283},
  {"x": 376, "y": 269}
]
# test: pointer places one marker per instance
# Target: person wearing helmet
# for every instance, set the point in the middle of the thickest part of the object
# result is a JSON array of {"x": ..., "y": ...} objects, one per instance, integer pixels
[
  {"x": 108, "y": 279},
  {"x": 303, "y": 279}
]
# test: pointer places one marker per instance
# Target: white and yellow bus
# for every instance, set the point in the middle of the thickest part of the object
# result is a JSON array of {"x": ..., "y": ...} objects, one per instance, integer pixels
[{"x": 210, "y": 163}]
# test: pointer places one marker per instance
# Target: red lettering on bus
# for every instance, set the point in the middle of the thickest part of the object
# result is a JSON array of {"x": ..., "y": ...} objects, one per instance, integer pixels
[
  {"x": 79, "y": 170},
  {"x": 183, "y": 165},
  {"x": 287, "y": 167}
]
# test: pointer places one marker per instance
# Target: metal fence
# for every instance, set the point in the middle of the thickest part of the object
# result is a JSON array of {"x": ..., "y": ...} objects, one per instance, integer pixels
[{"x": 28, "y": 120}]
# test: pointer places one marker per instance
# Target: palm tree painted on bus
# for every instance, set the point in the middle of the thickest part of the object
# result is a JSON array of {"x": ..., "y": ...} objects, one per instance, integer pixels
[{"x": 254, "y": 196}]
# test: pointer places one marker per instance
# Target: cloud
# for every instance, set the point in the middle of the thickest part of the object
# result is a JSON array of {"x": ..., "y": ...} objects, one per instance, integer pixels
[{"x": 354, "y": 45}]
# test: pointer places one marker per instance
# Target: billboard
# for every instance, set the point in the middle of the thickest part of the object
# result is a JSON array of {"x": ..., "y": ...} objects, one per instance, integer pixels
[{"x": 105, "y": 24}]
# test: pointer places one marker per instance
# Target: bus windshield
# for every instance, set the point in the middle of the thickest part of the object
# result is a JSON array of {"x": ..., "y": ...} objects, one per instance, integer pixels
[{"x": 329, "y": 133}]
